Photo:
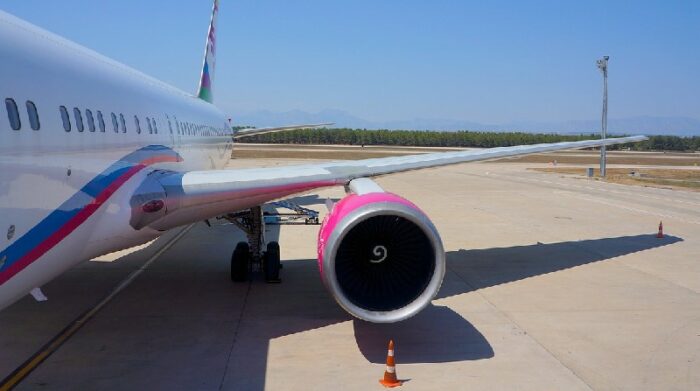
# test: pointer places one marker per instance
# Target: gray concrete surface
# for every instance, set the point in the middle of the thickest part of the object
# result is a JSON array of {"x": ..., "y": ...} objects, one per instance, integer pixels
[{"x": 553, "y": 283}]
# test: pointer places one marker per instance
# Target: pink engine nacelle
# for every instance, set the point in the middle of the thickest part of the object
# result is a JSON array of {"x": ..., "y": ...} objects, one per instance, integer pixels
[{"x": 380, "y": 257}]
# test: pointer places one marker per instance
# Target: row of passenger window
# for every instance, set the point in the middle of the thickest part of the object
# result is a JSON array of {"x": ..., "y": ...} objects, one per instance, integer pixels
[
  {"x": 97, "y": 121},
  {"x": 117, "y": 124},
  {"x": 16, "y": 123},
  {"x": 13, "y": 114},
  {"x": 192, "y": 129}
]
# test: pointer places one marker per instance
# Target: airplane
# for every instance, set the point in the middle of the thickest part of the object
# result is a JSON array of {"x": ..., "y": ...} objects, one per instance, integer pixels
[{"x": 97, "y": 157}]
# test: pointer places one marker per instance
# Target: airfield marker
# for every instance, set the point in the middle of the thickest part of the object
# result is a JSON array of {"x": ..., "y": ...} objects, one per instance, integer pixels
[
  {"x": 660, "y": 235},
  {"x": 390, "y": 379}
]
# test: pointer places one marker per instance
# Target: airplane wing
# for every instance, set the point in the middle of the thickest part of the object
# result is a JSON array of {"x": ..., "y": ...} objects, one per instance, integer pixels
[
  {"x": 255, "y": 131},
  {"x": 198, "y": 195}
]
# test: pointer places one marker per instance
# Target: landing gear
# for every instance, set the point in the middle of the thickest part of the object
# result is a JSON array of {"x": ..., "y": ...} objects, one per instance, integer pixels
[
  {"x": 249, "y": 256},
  {"x": 240, "y": 262},
  {"x": 254, "y": 255},
  {"x": 272, "y": 263}
]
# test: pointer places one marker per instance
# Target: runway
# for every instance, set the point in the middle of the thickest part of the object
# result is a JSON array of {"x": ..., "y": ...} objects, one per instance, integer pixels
[{"x": 553, "y": 283}]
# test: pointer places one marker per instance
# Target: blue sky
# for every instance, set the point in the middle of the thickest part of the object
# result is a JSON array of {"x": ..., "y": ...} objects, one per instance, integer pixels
[{"x": 485, "y": 61}]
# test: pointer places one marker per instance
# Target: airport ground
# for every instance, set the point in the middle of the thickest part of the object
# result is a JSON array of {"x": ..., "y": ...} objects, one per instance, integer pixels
[{"x": 554, "y": 282}]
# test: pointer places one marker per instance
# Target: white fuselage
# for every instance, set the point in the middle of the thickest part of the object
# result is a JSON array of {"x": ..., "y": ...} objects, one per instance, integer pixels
[{"x": 63, "y": 194}]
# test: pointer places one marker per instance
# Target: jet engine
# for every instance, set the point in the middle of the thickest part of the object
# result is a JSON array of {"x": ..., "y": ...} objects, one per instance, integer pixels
[{"x": 379, "y": 255}]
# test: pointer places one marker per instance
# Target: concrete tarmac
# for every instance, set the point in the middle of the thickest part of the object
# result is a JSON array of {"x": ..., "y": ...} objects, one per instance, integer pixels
[{"x": 553, "y": 283}]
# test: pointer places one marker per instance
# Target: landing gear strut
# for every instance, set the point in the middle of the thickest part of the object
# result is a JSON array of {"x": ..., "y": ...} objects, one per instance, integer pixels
[
  {"x": 254, "y": 255},
  {"x": 249, "y": 256}
]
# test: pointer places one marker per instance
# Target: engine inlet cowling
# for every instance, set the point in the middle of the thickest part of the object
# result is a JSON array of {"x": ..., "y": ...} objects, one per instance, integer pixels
[{"x": 380, "y": 257}]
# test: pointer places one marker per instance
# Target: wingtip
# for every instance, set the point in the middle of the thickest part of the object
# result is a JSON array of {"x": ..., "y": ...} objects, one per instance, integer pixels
[{"x": 639, "y": 137}]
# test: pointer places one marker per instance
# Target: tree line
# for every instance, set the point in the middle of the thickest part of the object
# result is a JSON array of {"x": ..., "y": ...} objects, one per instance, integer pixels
[{"x": 423, "y": 138}]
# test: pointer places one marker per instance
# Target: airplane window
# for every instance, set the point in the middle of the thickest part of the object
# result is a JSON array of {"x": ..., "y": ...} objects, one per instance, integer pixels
[
  {"x": 101, "y": 121},
  {"x": 78, "y": 119},
  {"x": 123, "y": 122},
  {"x": 150, "y": 128},
  {"x": 13, "y": 113},
  {"x": 90, "y": 120},
  {"x": 114, "y": 123},
  {"x": 138, "y": 125},
  {"x": 33, "y": 115},
  {"x": 65, "y": 118}
]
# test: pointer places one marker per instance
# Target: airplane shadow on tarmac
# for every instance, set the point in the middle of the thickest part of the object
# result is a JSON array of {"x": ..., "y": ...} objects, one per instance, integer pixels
[
  {"x": 439, "y": 334},
  {"x": 271, "y": 311}
]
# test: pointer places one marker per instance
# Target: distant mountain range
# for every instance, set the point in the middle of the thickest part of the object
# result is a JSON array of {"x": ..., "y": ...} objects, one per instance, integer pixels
[{"x": 678, "y": 126}]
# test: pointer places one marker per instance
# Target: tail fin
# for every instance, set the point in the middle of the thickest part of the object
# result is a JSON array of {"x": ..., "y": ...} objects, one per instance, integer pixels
[{"x": 205, "y": 82}]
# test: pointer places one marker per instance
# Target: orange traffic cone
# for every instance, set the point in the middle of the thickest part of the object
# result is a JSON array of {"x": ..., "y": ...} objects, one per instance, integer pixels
[
  {"x": 660, "y": 235},
  {"x": 390, "y": 379}
]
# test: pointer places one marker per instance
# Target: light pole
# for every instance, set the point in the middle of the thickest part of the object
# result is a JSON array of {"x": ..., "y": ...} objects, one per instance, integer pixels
[{"x": 603, "y": 66}]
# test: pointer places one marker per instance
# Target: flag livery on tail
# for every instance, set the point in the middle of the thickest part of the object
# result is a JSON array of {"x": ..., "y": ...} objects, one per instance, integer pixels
[{"x": 205, "y": 82}]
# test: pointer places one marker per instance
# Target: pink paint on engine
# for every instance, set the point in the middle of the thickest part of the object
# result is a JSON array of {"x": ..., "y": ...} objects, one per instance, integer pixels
[{"x": 347, "y": 205}]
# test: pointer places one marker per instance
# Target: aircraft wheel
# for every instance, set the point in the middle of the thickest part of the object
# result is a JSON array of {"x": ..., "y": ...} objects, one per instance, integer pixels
[
  {"x": 272, "y": 264},
  {"x": 240, "y": 262}
]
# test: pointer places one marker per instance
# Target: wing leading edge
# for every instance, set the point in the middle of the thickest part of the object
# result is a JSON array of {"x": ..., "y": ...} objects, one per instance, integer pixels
[
  {"x": 255, "y": 131},
  {"x": 197, "y": 195}
]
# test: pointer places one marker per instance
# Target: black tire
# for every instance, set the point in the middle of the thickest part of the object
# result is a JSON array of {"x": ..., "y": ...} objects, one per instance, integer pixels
[
  {"x": 240, "y": 262},
  {"x": 272, "y": 262}
]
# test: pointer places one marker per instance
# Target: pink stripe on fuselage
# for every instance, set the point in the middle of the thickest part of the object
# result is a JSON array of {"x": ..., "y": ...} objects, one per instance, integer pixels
[{"x": 72, "y": 224}]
